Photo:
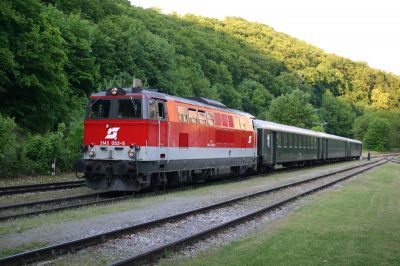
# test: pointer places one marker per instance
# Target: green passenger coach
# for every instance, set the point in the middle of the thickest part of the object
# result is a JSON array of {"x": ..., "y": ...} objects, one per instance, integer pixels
[{"x": 288, "y": 145}]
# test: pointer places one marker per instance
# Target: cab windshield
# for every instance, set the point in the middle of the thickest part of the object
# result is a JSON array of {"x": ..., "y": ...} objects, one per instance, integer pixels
[
  {"x": 127, "y": 108},
  {"x": 99, "y": 108},
  {"x": 130, "y": 108}
]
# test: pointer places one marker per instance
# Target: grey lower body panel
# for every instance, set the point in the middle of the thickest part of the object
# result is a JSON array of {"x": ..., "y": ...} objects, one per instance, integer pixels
[{"x": 134, "y": 176}]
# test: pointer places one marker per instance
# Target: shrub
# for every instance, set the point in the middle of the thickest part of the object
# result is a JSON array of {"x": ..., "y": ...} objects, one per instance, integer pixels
[
  {"x": 378, "y": 135},
  {"x": 41, "y": 150},
  {"x": 8, "y": 146}
]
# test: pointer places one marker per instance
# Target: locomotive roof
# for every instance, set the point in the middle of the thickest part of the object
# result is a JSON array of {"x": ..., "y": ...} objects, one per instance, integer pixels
[
  {"x": 298, "y": 130},
  {"x": 160, "y": 95}
]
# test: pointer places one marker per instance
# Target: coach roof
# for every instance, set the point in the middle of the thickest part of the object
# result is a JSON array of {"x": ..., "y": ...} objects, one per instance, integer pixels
[{"x": 297, "y": 130}]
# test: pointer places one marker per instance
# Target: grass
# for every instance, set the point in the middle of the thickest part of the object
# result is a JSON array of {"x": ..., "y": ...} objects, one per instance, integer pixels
[
  {"x": 43, "y": 195},
  {"x": 11, "y": 251},
  {"x": 358, "y": 224},
  {"x": 29, "y": 180}
]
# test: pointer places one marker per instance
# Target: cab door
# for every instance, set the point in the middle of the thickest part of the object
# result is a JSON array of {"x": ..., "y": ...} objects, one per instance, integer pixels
[{"x": 158, "y": 111}]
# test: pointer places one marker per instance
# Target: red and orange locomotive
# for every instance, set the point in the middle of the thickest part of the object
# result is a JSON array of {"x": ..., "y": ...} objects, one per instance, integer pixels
[{"x": 137, "y": 138}]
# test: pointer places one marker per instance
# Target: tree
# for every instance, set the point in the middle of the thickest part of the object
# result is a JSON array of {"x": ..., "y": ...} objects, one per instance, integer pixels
[
  {"x": 229, "y": 96},
  {"x": 292, "y": 109},
  {"x": 255, "y": 97},
  {"x": 338, "y": 115},
  {"x": 287, "y": 82},
  {"x": 362, "y": 125},
  {"x": 378, "y": 135}
]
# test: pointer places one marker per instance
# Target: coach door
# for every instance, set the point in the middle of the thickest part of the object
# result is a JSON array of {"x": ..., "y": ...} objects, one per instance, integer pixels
[
  {"x": 267, "y": 146},
  {"x": 322, "y": 148},
  {"x": 273, "y": 144},
  {"x": 319, "y": 149},
  {"x": 158, "y": 111}
]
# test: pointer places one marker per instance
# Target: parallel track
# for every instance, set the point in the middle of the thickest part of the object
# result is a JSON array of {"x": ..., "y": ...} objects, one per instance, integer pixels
[
  {"x": 40, "y": 187},
  {"x": 72, "y": 246},
  {"x": 98, "y": 198}
]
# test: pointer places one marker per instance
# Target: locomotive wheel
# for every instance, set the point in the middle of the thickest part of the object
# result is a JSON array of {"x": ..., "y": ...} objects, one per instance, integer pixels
[{"x": 158, "y": 181}]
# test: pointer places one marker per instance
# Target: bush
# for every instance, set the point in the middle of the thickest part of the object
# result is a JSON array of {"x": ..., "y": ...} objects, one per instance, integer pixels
[
  {"x": 8, "y": 146},
  {"x": 42, "y": 150},
  {"x": 73, "y": 144},
  {"x": 378, "y": 135}
]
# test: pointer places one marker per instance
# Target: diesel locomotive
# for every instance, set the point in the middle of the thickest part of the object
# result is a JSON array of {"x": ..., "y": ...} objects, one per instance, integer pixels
[{"x": 136, "y": 138}]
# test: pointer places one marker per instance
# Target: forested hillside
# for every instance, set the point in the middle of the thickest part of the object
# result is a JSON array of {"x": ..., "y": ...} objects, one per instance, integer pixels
[{"x": 54, "y": 53}]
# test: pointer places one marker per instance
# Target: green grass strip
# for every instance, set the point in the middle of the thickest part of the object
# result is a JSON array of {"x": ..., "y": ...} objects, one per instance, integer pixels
[{"x": 358, "y": 224}]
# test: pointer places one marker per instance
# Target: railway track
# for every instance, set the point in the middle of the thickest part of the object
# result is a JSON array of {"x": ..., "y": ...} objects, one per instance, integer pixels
[
  {"x": 394, "y": 161},
  {"x": 148, "y": 255},
  {"x": 40, "y": 187},
  {"x": 20, "y": 210}
]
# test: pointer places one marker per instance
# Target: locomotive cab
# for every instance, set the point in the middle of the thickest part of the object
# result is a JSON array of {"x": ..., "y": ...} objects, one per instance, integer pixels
[{"x": 119, "y": 127}]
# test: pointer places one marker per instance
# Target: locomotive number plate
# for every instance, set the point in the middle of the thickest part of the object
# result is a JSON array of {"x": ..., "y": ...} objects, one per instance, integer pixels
[{"x": 112, "y": 143}]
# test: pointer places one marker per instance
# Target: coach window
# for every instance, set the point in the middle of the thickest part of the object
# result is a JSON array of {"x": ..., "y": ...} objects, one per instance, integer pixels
[
  {"x": 217, "y": 117},
  {"x": 193, "y": 116},
  {"x": 236, "y": 123},
  {"x": 202, "y": 117},
  {"x": 230, "y": 121},
  {"x": 210, "y": 119},
  {"x": 242, "y": 123},
  {"x": 182, "y": 114},
  {"x": 278, "y": 140},
  {"x": 224, "y": 118},
  {"x": 287, "y": 140}
]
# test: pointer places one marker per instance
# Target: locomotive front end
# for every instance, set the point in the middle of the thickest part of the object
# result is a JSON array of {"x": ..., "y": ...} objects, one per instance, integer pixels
[{"x": 115, "y": 129}]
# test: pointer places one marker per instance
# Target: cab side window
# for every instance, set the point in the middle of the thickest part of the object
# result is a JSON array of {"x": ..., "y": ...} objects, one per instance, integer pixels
[
  {"x": 161, "y": 110},
  {"x": 157, "y": 109}
]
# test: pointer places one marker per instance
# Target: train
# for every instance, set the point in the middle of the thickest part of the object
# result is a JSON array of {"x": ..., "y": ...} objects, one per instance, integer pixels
[{"x": 139, "y": 138}]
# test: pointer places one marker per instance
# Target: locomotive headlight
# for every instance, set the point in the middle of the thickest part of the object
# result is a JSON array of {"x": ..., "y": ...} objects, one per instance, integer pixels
[
  {"x": 131, "y": 153},
  {"x": 114, "y": 91},
  {"x": 91, "y": 153}
]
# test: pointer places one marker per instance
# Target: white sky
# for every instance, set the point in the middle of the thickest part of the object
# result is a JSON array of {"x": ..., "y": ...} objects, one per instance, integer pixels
[{"x": 362, "y": 30}]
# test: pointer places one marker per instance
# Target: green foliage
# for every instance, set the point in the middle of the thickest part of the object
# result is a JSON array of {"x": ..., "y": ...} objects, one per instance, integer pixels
[
  {"x": 338, "y": 115},
  {"x": 8, "y": 146},
  {"x": 41, "y": 150},
  {"x": 390, "y": 139},
  {"x": 255, "y": 97},
  {"x": 292, "y": 109},
  {"x": 378, "y": 135}
]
